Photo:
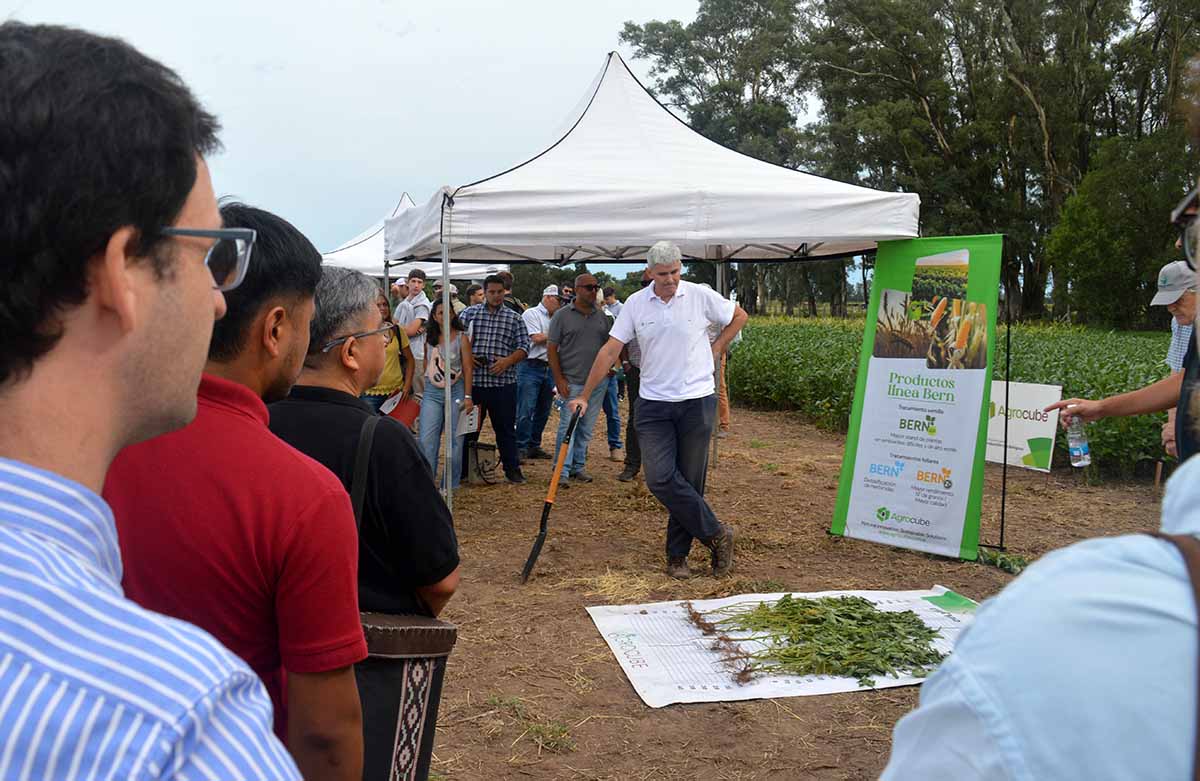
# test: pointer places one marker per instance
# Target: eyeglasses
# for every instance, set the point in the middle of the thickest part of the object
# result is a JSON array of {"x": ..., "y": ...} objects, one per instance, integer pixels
[
  {"x": 1183, "y": 217},
  {"x": 588, "y": 287},
  {"x": 228, "y": 258},
  {"x": 386, "y": 331}
]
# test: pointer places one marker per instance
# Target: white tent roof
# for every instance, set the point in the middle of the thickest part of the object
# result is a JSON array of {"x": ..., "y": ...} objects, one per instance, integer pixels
[
  {"x": 628, "y": 173},
  {"x": 364, "y": 253}
]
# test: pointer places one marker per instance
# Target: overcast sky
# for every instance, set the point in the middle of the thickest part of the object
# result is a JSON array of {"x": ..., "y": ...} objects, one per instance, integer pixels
[{"x": 332, "y": 110}]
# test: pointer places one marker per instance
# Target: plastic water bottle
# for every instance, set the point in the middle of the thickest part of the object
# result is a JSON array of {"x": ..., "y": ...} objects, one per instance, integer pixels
[{"x": 1077, "y": 442}]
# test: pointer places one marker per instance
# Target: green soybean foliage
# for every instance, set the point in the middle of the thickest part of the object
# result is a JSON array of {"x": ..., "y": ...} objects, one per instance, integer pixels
[
  {"x": 845, "y": 636},
  {"x": 810, "y": 365}
]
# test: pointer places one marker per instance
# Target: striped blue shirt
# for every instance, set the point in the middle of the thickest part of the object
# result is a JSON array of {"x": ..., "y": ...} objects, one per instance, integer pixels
[{"x": 93, "y": 686}]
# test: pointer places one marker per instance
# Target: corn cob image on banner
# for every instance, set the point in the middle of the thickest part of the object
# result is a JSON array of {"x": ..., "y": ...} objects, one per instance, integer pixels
[{"x": 912, "y": 475}]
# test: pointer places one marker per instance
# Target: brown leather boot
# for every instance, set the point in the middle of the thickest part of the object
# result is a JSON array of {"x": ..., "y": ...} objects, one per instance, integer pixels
[
  {"x": 677, "y": 567},
  {"x": 722, "y": 551}
]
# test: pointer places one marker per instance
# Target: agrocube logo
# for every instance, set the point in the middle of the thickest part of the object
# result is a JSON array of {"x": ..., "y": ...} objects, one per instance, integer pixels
[
  {"x": 926, "y": 426},
  {"x": 1017, "y": 413},
  {"x": 883, "y": 515},
  {"x": 894, "y": 469},
  {"x": 941, "y": 476}
]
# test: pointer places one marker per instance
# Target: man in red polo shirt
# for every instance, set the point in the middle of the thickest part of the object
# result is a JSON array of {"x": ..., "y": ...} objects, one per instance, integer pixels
[{"x": 226, "y": 526}]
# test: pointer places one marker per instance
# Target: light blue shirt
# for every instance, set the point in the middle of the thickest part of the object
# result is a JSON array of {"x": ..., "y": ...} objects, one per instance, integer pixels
[
  {"x": 93, "y": 686},
  {"x": 1083, "y": 668}
]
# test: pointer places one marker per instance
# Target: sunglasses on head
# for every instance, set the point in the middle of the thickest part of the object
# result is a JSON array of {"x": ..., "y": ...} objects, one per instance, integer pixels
[{"x": 587, "y": 287}]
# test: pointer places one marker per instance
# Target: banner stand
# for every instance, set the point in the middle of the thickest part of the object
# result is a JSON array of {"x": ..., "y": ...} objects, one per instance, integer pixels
[
  {"x": 912, "y": 475},
  {"x": 1004, "y": 463}
]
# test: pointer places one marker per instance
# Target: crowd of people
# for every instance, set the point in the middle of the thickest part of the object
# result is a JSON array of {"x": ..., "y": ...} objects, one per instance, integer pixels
[
  {"x": 515, "y": 364},
  {"x": 191, "y": 526}
]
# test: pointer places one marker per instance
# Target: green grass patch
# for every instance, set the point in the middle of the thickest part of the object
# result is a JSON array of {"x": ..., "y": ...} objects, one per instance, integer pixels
[{"x": 1011, "y": 563}]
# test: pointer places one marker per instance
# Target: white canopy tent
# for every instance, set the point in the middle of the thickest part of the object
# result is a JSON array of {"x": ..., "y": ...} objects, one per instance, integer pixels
[
  {"x": 627, "y": 173},
  {"x": 365, "y": 253}
]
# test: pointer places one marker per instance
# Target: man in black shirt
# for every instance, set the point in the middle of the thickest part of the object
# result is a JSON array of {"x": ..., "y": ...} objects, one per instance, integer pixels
[{"x": 408, "y": 552}]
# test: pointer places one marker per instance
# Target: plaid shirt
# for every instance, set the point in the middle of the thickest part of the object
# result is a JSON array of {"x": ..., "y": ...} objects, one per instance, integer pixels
[
  {"x": 1180, "y": 336},
  {"x": 494, "y": 335}
]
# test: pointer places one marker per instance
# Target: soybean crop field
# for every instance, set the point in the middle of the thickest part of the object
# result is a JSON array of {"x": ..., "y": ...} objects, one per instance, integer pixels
[{"x": 809, "y": 365}]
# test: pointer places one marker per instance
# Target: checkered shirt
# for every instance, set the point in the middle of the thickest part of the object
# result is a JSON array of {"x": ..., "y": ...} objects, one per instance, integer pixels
[
  {"x": 494, "y": 335},
  {"x": 1180, "y": 336}
]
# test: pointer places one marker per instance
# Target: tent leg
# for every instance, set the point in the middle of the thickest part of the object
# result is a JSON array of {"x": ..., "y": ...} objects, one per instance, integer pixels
[
  {"x": 447, "y": 439},
  {"x": 721, "y": 283}
]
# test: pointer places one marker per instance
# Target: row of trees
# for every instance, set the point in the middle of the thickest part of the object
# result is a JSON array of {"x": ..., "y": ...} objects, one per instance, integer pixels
[{"x": 1056, "y": 122}]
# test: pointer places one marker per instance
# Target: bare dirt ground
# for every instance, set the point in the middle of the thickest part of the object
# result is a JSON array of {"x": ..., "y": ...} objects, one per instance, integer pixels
[{"x": 533, "y": 692}]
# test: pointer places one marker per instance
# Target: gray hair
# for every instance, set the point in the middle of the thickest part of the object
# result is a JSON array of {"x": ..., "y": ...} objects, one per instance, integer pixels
[
  {"x": 664, "y": 253},
  {"x": 343, "y": 298}
]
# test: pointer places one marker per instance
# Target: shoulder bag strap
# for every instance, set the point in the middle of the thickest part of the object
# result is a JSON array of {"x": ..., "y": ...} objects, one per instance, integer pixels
[
  {"x": 1189, "y": 548},
  {"x": 362, "y": 463}
]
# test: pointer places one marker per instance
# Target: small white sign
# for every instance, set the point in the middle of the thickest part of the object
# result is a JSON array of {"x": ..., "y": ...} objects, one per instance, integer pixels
[{"x": 1031, "y": 431}]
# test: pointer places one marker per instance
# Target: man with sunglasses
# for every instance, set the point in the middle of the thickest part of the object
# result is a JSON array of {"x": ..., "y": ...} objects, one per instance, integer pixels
[
  {"x": 1175, "y": 392},
  {"x": 112, "y": 267},
  {"x": 577, "y": 332},
  {"x": 224, "y": 525}
]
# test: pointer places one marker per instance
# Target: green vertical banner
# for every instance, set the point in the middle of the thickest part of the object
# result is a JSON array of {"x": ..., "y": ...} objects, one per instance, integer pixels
[{"x": 912, "y": 475}]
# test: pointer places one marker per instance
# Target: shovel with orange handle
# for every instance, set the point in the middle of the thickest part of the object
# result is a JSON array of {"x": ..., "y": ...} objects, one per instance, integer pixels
[{"x": 563, "y": 449}]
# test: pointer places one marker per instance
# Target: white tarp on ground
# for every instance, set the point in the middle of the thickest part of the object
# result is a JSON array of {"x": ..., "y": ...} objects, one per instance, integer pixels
[
  {"x": 364, "y": 253},
  {"x": 668, "y": 659},
  {"x": 628, "y": 173}
]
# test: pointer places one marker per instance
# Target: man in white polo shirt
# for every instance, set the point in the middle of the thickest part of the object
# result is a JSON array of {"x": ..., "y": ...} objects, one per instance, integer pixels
[{"x": 677, "y": 404}]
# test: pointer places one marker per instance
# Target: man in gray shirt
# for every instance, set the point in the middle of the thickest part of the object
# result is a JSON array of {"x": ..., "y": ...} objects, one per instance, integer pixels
[{"x": 577, "y": 332}]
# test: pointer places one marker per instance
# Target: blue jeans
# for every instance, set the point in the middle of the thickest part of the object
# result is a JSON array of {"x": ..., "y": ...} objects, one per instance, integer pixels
[
  {"x": 375, "y": 401},
  {"x": 674, "y": 437},
  {"x": 535, "y": 387},
  {"x": 612, "y": 414},
  {"x": 433, "y": 420},
  {"x": 582, "y": 437}
]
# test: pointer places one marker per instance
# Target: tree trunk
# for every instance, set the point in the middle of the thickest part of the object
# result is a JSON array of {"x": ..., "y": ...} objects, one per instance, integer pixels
[
  {"x": 747, "y": 295},
  {"x": 810, "y": 293},
  {"x": 837, "y": 290}
]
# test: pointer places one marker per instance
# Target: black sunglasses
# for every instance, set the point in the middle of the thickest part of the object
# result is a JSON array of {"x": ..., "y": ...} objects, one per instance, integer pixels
[
  {"x": 588, "y": 287},
  {"x": 1183, "y": 217}
]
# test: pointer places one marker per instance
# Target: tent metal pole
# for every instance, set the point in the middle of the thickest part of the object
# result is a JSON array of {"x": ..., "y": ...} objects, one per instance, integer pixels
[
  {"x": 718, "y": 253},
  {"x": 447, "y": 438}
]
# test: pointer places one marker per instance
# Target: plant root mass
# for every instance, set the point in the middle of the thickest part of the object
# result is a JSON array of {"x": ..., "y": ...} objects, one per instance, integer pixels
[{"x": 842, "y": 636}]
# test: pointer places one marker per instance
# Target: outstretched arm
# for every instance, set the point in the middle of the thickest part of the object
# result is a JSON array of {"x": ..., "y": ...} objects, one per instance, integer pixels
[{"x": 1157, "y": 397}]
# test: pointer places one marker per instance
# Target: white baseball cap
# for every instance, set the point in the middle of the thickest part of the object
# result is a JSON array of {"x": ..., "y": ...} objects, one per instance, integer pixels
[
  {"x": 1174, "y": 279},
  {"x": 551, "y": 290}
]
